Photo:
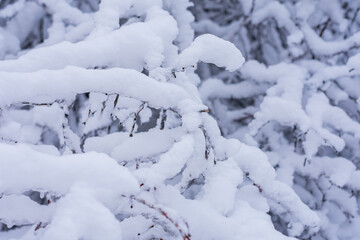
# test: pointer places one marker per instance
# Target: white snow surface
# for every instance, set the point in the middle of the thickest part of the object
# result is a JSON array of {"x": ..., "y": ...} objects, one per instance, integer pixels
[
  {"x": 222, "y": 54},
  {"x": 103, "y": 133}
]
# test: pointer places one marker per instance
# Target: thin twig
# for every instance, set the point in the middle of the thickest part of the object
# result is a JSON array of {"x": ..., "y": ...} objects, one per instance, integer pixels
[
  {"x": 185, "y": 235},
  {"x": 135, "y": 118}
]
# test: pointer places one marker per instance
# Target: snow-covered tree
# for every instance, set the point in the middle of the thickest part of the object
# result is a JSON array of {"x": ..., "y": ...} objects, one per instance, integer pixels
[
  {"x": 104, "y": 134},
  {"x": 296, "y": 98}
]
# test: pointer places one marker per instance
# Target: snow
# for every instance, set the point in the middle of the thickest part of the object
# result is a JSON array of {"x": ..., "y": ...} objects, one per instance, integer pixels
[
  {"x": 353, "y": 62},
  {"x": 207, "y": 222},
  {"x": 277, "y": 11},
  {"x": 209, "y": 89},
  {"x": 110, "y": 129},
  {"x": 50, "y": 85},
  {"x": 184, "y": 21},
  {"x": 355, "y": 179},
  {"x": 224, "y": 178},
  {"x": 222, "y": 54},
  {"x": 29, "y": 18},
  {"x": 92, "y": 53},
  {"x": 272, "y": 108},
  {"x": 108, "y": 15},
  {"x": 101, "y": 172},
  {"x": 136, "y": 40},
  {"x": 169, "y": 164},
  {"x": 297, "y": 99},
  {"x": 18, "y": 210},
  {"x": 118, "y": 144},
  {"x": 322, "y": 47},
  {"x": 80, "y": 215},
  {"x": 11, "y": 9}
]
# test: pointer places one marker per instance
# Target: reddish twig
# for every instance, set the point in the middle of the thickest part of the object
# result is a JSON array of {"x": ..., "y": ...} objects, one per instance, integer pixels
[{"x": 185, "y": 235}]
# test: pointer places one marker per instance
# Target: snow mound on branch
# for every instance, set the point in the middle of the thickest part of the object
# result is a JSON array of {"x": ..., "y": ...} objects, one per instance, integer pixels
[
  {"x": 50, "y": 85},
  {"x": 19, "y": 209},
  {"x": 102, "y": 172},
  {"x": 211, "y": 49},
  {"x": 87, "y": 182}
]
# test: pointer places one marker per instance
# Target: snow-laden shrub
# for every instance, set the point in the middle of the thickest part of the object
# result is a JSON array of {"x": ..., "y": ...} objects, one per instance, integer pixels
[
  {"x": 104, "y": 135},
  {"x": 297, "y": 98}
]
